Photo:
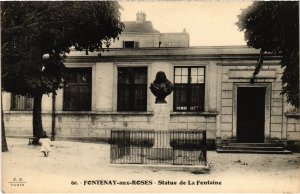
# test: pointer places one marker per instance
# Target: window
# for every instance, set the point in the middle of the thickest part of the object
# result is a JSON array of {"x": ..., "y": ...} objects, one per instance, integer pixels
[
  {"x": 132, "y": 89},
  {"x": 77, "y": 92},
  {"x": 130, "y": 44},
  {"x": 19, "y": 102},
  {"x": 189, "y": 88}
]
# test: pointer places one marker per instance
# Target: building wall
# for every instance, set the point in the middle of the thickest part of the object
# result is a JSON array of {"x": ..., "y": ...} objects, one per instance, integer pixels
[
  {"x": 278, "y": 125},
  {"x": 98, "y": 125},
  {"x": 293, "y": 129},
  {"x": 222, "y": 77},
  {"x": 145, "y": 40},
  {"x": 174, "y": 39},
  {"x": 102, "y": 87},
  {"x": 103, "y": 116}
]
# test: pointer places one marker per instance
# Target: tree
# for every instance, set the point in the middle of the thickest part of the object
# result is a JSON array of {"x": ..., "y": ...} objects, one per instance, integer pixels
[
  {"x": 273, "y": 27},
  {"x": 31, "y": 30},
  {"x": 4, "y": 147}
]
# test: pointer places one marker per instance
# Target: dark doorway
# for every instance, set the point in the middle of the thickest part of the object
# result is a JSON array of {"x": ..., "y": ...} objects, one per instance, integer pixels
[{"x": 250, "y": 114}]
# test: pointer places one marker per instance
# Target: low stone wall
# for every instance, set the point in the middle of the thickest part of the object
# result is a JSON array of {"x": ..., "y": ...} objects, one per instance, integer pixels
[
  {"x": 201, "y": 121},
  {"x": 293, "y": 131},
  {"x": 204, "y": 121},
  {"x": 97, "y": 126},
  {"x": 19, "y": 123}
]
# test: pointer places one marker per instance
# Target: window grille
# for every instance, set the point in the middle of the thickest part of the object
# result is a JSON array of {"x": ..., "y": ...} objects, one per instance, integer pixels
[
  {"x": 20, "y": 102},
  {"x": 77, "y": 92},
  {"x": 130, "y": 44},
  {"x": 189, "y": 85},
  {"x": 132, "y": 89}
]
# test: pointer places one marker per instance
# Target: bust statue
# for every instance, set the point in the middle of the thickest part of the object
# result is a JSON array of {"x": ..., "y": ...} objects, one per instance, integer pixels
[{"x": 161, "y": 87}]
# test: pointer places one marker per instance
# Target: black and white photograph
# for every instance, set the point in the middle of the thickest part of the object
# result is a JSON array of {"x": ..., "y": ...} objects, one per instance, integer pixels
[{"x": 150, "y": 96}]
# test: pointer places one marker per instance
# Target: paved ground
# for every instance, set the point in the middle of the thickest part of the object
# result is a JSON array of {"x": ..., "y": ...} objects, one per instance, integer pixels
[{"x": 83, "y": 162}]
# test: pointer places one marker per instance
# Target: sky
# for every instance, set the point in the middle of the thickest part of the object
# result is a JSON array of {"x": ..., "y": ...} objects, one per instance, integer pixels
[{"x": 209, "y": 23}]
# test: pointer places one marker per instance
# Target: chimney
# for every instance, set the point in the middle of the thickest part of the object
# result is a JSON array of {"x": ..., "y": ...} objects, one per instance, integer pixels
[{"x": 140, "y": 17}]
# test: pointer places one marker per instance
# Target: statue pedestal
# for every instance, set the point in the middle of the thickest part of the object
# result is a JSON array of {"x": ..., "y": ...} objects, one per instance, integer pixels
[{"x": 162, "y": 135}]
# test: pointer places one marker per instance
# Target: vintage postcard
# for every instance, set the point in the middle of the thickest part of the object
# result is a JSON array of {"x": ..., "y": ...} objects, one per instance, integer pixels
[{"x": 150, "y": 96}]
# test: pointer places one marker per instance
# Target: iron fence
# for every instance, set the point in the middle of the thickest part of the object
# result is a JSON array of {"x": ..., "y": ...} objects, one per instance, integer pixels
[{"x": 158, "y": 147}]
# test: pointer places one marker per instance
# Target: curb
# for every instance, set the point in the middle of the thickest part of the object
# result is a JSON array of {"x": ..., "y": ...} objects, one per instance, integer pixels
[{"x": 196, "y": 169}]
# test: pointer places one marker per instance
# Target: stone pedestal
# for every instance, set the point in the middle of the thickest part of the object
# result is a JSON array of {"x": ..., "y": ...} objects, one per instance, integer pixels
[
  {"x": 161, "y": 126},
  {"x": 162, "y": 135}
]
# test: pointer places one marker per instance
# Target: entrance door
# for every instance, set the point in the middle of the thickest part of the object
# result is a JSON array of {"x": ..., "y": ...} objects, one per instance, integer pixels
[{"x": 250, "y": 114}]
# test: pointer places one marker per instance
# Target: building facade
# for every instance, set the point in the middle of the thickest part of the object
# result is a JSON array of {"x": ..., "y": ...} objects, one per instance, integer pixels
[{"x": 212, "y": 92}]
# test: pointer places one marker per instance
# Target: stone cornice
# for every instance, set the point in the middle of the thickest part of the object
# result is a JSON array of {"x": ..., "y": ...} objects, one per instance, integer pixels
[
  {"x": 86, "y": 59},
  {"x": 220, "y": 53}
]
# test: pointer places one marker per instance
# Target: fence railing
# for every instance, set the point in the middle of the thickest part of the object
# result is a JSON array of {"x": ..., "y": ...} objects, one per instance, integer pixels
[{"x": 158, "y": 147}]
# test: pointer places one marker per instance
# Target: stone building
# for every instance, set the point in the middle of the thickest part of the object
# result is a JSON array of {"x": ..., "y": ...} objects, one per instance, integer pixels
[
  {"x": 142, "y": 34},
  {"x": 212, "y": 91}
]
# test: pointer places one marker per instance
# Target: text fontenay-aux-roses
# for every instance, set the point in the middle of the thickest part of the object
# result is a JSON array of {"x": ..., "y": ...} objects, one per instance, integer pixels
[{"x": 151, "y": 182}]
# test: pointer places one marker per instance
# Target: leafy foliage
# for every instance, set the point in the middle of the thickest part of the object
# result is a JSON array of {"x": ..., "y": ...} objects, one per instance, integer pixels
[
  {"x": 33, "y": 29},
  {"x": 273, "y": 27}
]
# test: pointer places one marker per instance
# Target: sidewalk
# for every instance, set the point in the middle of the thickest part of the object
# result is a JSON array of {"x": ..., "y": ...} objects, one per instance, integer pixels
[{"x": 85, "y": 167}]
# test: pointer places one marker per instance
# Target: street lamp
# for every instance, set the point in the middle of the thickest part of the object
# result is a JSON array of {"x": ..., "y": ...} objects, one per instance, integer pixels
[{"x": 46, "y": 56}]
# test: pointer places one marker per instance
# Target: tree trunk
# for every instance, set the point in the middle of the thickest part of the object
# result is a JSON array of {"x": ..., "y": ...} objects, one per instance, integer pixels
[
  {"x": 258, "y": 65},
  {"x": 37, "y": 118},
  {"x": 3, "y": 141}
]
